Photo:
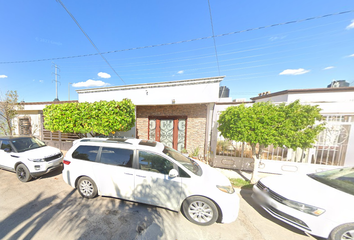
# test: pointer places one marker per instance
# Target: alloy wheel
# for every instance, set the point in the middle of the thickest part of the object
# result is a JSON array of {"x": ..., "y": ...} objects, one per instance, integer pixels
[
  {"x": 86, "y": 188},
  {"x": 200, "y": 211},
  {"x": 348, "y": 235}
]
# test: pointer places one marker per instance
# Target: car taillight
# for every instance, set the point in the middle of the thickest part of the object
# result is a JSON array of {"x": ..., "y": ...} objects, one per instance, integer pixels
[{"x": 66, "y": 162}]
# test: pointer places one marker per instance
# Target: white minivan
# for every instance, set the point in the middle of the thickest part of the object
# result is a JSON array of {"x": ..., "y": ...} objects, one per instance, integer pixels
[
  {"x": 151, "y": 173},
  {"x": 28, "y": 157}
]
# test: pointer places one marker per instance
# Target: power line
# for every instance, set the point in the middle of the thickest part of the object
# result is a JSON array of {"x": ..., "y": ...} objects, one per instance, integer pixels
[
  {"x": 212, "y": 30},
  {"x": 183, "y": 41},
  {"x": 82, "y": 30}
]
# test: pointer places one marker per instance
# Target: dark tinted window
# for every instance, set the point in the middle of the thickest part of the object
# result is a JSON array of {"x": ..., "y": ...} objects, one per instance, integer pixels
[
  {"x": 182, "y": 173},
  {"x": 117, "y": 156},
  {"x": 88, "y": 153},
  {"x": 5, "y": 144},
  {"x": 155, "y": 163}
]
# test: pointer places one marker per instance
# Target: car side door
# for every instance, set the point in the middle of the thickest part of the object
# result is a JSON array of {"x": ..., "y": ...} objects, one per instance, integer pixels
[
  {"x": 115, "y": 173},
  {"x": 152, "y": 182},
  {"x": 7, "y": 159}
]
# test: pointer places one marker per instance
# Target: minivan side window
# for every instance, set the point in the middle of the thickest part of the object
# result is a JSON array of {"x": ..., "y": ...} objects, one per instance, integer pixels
[
  {"x": 88, "y": 153},
  {"x": 117, "y": 156},
  {"x": 154, "y": 163}
]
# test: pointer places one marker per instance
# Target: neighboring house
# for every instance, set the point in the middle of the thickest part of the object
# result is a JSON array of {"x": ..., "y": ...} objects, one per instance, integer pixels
[
  {"x": 331, "y": 149},
  {"x": 30, "y": 122},
  {"x": 177, "y": 113}
]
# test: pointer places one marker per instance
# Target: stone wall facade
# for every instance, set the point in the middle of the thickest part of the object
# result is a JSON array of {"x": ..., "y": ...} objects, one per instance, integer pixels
[{"x": 196, "y": 122}]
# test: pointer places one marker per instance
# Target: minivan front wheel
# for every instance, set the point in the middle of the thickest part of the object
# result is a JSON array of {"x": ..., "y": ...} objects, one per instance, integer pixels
[
  {"x": 200, "y": 210},
  {"x": 345, "y": 231},
  {"x": 87, "y": 187},
  {"x": 23, "y": 173}
]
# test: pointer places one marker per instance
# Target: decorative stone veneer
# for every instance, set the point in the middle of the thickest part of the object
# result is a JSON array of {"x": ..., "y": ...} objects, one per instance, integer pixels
[{"x": 196, "y": 122}]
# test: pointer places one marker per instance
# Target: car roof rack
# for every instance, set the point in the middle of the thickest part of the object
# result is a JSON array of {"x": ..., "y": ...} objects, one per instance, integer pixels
[
  {"x": 149, "y": 143},
  {"x": 111, "y": 140}
]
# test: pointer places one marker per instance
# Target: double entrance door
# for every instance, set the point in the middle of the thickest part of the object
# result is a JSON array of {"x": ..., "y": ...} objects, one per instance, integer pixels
[{"x": 170, "y": 131}]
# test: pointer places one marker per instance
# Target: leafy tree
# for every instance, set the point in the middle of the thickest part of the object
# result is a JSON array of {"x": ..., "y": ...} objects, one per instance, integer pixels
[
  {"x": 264, "y": 124},
  {"x": 96, "y": 118},
  {"x": 8, "y": 111}
]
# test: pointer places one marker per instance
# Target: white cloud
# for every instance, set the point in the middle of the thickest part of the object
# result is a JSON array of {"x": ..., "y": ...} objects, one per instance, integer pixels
[
  {"x": 104, "y": 75},
  {"x": 3, "y": 76},
  {"x": 180, "y": 72},
  {"x": 294, "y": 71},
  {"x": 351, "y": 55},
  {"x": 350, "y": 26},
  {"x": 91, "y": 83},
  {"x": 41, "y": 81},
  {"x": 327, "y": 68}
]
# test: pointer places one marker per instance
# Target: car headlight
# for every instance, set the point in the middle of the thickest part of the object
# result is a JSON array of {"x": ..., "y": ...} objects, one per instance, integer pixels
[
  {"x": 302, "y": 207},
  {"x": 226, "y": 189},
  {"x": 36, "y": 159}
]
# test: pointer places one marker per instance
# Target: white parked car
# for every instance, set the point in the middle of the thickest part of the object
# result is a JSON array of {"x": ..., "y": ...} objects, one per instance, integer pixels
[
  {"x": 151, "y": 173},
  {"x": 28, "y": 157},
  {"x": 321, "y": 204}
]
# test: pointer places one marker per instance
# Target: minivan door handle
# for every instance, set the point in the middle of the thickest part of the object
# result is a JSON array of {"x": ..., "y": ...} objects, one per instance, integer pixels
[
  {"x": 128, "y": 173},
  {"x": 141, "y": 176}
]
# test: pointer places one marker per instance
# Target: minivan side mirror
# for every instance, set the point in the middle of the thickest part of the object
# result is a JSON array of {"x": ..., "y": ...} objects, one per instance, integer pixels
[
  {"x": 173, "y": 173},
  {"x": 8, "y": 150}
]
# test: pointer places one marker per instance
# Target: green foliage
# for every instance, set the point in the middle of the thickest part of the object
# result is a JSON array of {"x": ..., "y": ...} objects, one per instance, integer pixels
[
  {"x": 241, "y": 183},
  {"x": 264, "y": 123},
  {"x": 98, "y": 118},
  {"x": 195, "y": 152},
  {"x": 8, "y": 111}
]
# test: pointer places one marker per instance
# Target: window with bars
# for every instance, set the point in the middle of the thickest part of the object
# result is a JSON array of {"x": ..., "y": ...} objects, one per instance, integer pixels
[{"x": 24, "y": 126}]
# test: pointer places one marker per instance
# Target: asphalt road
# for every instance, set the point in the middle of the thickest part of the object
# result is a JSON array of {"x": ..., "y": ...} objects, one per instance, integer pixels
[{"x": 48, "y": 208}]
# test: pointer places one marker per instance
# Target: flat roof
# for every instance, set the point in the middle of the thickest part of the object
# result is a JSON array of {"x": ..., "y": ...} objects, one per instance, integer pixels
[
  {"x": 311, "y": 90},
  {"x": 154, "y": 85}
]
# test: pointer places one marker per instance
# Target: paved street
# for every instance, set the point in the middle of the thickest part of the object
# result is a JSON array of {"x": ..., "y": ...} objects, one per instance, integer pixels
[{"x": 49, "y": 208}]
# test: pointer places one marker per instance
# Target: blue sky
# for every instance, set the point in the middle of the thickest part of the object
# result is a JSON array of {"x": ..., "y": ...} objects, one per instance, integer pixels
[{"x": 308, "y": 54}]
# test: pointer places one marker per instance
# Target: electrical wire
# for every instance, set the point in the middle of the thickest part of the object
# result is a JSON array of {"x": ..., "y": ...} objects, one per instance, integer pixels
[
  {"x": 183, "y": 41},
  {"x": 92, "y": 43},
  {"x": 212, "y": 30}
]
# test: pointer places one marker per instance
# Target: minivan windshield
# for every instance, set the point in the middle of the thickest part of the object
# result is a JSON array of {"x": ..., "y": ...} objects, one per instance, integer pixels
[
  {"x": 341, "y": 179},
  {"x": 27, "y": 143},
  {"x": 188, "y": 163}
]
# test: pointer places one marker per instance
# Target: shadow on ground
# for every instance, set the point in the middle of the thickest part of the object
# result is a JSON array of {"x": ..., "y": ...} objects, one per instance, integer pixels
[{"x": 67, "y": 215}]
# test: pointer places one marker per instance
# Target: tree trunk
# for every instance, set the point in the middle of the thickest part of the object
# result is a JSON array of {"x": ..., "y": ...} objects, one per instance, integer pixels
[{"x": 254, "y": 177}]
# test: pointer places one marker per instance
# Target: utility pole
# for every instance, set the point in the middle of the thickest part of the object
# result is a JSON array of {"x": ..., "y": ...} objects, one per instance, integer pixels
[{"x": 56, "y": 84}]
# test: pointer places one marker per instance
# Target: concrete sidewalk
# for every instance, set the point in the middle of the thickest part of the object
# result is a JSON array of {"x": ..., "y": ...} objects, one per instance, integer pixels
[{"x": 246, "y": 175}]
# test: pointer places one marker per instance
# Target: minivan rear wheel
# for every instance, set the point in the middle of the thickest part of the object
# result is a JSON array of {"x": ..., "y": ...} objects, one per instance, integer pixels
[
  {"x": 200, "y": 210},
  {"x": 87, "y": 187}
]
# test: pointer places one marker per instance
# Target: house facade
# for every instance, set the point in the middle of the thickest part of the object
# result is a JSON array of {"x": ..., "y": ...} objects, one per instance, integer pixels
[
  {"x": 178, "y": 113},
  {"x": 333, "y": 145}
]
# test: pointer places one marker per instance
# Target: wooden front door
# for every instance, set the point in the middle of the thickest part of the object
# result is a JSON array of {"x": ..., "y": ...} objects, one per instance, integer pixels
[{"x": 170, "y": 131}]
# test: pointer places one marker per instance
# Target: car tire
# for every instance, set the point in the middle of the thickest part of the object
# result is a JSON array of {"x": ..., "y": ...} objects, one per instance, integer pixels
[
  {"x": 200, "y": 210},
  {"x": 87, "y": 187},
  {"x": 345, "y": 231},
  {"x": 23, "y": 173}
]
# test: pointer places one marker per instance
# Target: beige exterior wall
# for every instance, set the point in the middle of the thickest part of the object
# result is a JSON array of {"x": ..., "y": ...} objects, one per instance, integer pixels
[{"x": 196, "y": 122}]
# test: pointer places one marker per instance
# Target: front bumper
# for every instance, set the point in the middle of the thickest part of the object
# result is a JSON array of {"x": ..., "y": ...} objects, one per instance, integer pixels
[
  {"x": 40, "y": 168},
  {"x": 315, "y": 225},
  {"x": 229, "y": 205}
]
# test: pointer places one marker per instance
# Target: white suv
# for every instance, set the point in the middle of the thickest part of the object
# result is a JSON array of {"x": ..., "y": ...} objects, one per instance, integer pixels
[
  {"x": 151, "y": 173},
  {"x": 28, "y": 157}
]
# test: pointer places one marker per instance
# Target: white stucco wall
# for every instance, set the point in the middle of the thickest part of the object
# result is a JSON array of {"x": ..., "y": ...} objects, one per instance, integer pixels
[{"x": 178, "y": 92}]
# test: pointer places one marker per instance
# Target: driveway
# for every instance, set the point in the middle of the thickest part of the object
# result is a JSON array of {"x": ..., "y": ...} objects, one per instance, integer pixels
[{"x": 49, "y": 208}]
